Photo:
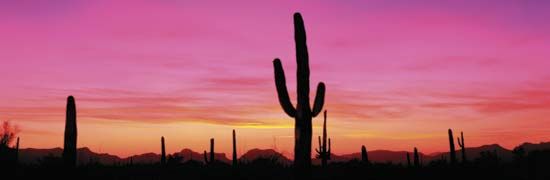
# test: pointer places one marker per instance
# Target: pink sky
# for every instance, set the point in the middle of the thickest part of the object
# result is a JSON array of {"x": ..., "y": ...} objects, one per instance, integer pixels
[{"x": 398, "y": 73}]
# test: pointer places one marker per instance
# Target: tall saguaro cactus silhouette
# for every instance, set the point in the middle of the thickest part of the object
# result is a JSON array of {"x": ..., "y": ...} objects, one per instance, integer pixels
[
  {"x": 452, "y": 152},
  {"x": 302, "y": 113},
  {"x": 163, "y": 151},
  {"x": 460, "y": 141},
  {"x": 234, "y": 160},
  {"x": 69, "y": 147},
  {"x": 323, "y": 152}
]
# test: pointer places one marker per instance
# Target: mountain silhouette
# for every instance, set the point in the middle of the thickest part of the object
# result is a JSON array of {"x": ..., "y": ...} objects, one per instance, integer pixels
[
  {"x": 474, "y": 153},
  {"x": 86, "y": 156},
  {"x": 380, "y": 156},
  {"x": 265, "y": 153}
]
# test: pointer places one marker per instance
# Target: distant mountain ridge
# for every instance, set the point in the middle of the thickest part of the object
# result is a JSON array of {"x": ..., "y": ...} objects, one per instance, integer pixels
[{"x": 85, "y": 155}]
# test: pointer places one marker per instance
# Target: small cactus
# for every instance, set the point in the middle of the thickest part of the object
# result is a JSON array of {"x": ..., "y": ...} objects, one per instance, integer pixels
[
  {"x": 211, "y": 160},
  {"x": 452, "y": 152},
  {"x": 234, "y": 161},
  {"x": 408, "y": 160},
  {"x": 163, "y": 152},
  {"x": 69, "y": 147},
  {"x": 205, "y": 158},
  {"x": 17, "y": 151},
  {"x": 364, "y": 155},
  {"x": 323, "y": 152},
  {"x": 460, "y": 141},
  {"x": 416, "y": 158}
]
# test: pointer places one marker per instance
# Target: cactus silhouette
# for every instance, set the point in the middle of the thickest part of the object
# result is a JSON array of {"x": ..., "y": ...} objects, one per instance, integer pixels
[
  {"x": 323, "y": 152},
  {"x": 205, "y": 158},
  {"x": 303, "y": 113},
  {"x": 17, "y": 151},
  {"x": 452, "y": 152},
  {"x": 234, "y": 161},
  {"x": 364, "y": 155},
  {"x": 211, "y": 160},
  {"x": 69, "y": 147},
  {"x": 416, "y": 158},
  {"x": 408, "y": 160},
  {"x": 460, "y": 141},
  {"x": 163, "y": 152}
]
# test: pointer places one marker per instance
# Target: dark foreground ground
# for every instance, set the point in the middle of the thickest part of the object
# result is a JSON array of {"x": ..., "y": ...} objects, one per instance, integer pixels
[{"x": 265, "y": 169}]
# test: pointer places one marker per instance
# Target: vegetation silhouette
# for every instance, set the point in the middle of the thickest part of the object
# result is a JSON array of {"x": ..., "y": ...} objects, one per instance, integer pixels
[
  {"x": 460, "y": 141},
  {"x": 212, "y": 158},
  {"x": 302, "y": 113},
  {"x": 364, "y": 155},
  {"x": 69, "y": 147},
  {"x": 163, "y": 152},
  {"x": 452, "y": 152},
  {"x": 234, "y": 159},
  {"x": 323, "y": 152}
]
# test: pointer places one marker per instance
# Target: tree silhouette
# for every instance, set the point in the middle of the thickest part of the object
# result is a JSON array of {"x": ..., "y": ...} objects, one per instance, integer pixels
[{"x": 7, "y": 134}]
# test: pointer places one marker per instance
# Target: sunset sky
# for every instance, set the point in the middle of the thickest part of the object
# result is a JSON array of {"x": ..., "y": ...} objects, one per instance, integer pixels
[{"x": 398, "y": 73}]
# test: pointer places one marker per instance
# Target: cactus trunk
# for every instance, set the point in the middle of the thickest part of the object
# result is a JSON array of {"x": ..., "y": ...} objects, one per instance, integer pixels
[
  {"x": 234, "y": 149},
  {"x": 211, "y": 160},
  {"x": 462, "y": 147},
  {"x": 163, "y": 152},
  {"x": 212, "y": 150},
  {"x": 205, "y": 158},
  {"x": 364, "y": 155},
  {"x": 17, "y": 151},
  {"x": 416, "y": 158},
  {"x": 452, "y": 152},
  {"x": 303, "y": 113},
  {"x": 69, "y": 147},
  {"x": 408, "y": 160}
]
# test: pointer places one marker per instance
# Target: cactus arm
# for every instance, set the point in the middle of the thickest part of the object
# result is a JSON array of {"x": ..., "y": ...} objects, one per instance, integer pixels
[
  {"x": 319, "y": 99},
  {"x": 459, "y": 143},
  {"x": 320, "y": 150},
  {"x": 282, "y": 91}
]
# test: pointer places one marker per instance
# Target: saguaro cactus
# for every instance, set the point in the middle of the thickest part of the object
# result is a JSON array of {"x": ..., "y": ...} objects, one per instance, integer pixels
[
  {"x": 460, "y": 141},
  {"x": 452, "y": 152},
  {"x": 416, "y": 158},
  {"x": 69, "y": 147},
  {"x": 364, "y": 155},
  {"x": 205, "y": 158},
  {"x": 323, "y": 152},
  {"x": 163, "y": 151},
  {"x": 303, "y": 113},
  {"x": 17, "y": 151},
  {"x": 234, "y": 161},
  {"x": 408, "y": 160},
  {"x": 211, "y": 160}
]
